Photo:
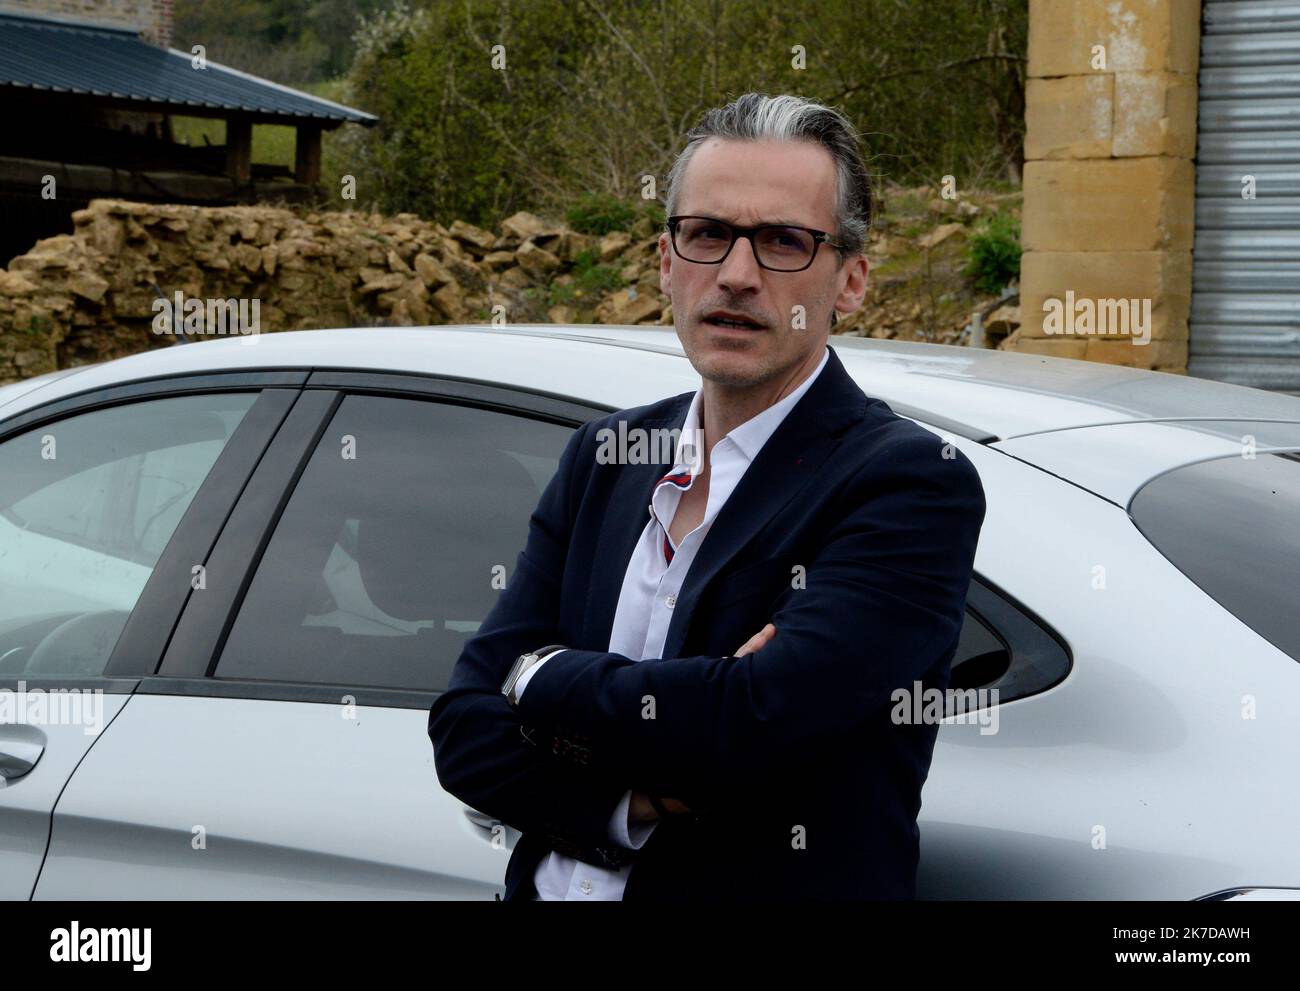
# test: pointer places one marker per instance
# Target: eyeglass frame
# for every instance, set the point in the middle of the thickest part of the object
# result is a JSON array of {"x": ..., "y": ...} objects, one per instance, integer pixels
[{"x": 737, "y": 232}]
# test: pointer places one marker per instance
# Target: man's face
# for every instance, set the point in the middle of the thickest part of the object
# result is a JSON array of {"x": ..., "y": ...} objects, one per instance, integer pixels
[{"x": 749, "y": 183}]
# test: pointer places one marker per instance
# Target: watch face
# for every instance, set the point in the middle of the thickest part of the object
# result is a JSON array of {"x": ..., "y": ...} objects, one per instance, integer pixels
[
  {"x": 513, "y": 677},
  {"x": 508, "y": 685}
]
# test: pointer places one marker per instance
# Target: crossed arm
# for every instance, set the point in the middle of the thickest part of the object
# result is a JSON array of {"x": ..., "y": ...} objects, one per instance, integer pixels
[
  {"x": 640, "y": 806},
  {"x": 882, "y": 603}
]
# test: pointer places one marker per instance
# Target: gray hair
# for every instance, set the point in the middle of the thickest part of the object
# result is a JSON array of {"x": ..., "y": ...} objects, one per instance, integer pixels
[{"x": 757, "y": 116}]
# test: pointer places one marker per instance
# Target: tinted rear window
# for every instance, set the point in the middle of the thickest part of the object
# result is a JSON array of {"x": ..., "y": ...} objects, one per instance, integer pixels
[{"x": 1232, "y": 525}]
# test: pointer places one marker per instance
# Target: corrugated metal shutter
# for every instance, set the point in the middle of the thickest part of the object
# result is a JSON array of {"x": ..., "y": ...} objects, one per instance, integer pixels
[{"x": 1245, "y": 318}]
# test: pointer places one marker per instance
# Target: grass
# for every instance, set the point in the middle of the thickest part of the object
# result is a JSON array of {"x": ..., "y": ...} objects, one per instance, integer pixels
[{"x": 273, "y": 144}]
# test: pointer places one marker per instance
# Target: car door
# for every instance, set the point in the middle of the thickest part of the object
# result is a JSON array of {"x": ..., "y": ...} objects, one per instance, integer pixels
[
  {"x": 282, "y": 749},
  {"x": 103, "y": 499}
]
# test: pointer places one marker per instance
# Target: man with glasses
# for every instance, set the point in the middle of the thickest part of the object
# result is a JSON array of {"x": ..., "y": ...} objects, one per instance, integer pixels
[{"x": 710, "y": 716}]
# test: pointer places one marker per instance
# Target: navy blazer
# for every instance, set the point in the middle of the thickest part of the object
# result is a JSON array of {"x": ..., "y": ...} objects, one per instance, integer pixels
[{"x": 853, "y": 531}]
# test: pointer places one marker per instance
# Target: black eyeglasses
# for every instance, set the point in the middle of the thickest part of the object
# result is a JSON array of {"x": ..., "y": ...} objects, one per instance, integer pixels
[{"x": 778, "y": 247}]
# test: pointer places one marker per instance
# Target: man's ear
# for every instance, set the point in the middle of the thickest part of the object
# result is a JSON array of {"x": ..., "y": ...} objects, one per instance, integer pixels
[
  {"x": 854, "y": 286},
  {"x": 665, "y": 265}
]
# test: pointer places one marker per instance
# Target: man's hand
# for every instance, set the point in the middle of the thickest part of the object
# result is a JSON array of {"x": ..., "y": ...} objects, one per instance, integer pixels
[
  {"x": 640, "y": 809},
  {"x": 758, "y": 641}
]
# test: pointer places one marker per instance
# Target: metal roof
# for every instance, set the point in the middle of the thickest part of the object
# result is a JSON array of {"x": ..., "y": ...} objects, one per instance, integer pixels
[{"x": 64, "y": 56}]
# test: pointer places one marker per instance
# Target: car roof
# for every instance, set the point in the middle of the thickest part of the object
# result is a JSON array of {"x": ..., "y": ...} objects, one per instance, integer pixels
[
  {"x": 1010, "y": 393},
  {"x": 14, "y": 390},
  {"x": 1003, "y": 393},
  {"x": 998, "y": 397}
]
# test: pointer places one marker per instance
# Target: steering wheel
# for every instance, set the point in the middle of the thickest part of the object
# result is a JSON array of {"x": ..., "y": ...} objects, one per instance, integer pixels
[{"x": 78, "y": 646}]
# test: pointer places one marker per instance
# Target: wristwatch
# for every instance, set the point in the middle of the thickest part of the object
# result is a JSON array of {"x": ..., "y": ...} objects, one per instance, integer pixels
[{"x": 522, "y": 664}]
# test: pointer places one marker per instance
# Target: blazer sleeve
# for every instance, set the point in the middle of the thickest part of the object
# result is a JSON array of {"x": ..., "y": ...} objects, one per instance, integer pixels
[
  {"x": 883, "y": 602},
  {"x": 484, "y": 754}
]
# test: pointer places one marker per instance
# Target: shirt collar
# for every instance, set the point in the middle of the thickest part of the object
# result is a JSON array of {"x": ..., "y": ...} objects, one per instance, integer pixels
[{"x": 751, "y": 435}]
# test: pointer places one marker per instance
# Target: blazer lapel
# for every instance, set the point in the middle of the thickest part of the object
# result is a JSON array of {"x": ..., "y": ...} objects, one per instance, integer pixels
[
  {"x": 624, "y": 522},
  {"x": 791, "y": 456}
]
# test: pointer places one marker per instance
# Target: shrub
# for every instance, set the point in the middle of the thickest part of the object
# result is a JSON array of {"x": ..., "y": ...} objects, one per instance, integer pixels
[
  {"x": 600, "y": 213},
  {"x": 995, "y": 253},
  {"x": 653, "y": 210},
  {"x": 591, "y": 280}
]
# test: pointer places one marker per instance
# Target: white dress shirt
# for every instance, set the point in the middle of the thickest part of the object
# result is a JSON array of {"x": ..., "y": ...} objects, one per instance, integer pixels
[{"x": 654, "y": 578}]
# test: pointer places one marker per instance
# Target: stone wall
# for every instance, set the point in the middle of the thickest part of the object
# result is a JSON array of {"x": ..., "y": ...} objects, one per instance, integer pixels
[
  {"x": 1109, "y": 187},
  {"x": 89, "y": 296}
]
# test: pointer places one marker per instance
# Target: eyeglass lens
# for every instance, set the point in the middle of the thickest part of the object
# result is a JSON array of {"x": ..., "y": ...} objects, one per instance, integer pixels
[{"x": 707, "y": 241}]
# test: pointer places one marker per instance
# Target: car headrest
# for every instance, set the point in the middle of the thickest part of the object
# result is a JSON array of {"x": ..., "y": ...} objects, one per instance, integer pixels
[{"x": 428, "y": 552}]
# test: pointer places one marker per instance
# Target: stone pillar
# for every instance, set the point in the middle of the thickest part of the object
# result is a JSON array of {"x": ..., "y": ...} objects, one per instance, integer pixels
[{"x": 1110, "y": 117}]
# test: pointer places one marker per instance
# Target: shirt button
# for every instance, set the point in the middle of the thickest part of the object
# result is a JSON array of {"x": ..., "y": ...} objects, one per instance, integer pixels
[
  {"x": 670, "y": 601},
  {"x": 586, "y": 886}
]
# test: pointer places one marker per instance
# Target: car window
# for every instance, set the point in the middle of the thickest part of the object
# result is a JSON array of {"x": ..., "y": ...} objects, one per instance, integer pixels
[
  {"x": 1004, "y": 646},
  {"x": 981, "y": 658},
  {"x": 87, "y": 506},
  {"x": 1232, "y": 525},
  {"x": 394, "y": 546}
]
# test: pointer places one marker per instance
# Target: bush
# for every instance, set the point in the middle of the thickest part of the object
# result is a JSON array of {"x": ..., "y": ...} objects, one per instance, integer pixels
[
  {"x": 658, "y": 217},
  {"x": 600, "y": 213},
  {"x": 591, "y": 280},
  {"x": 995, "y": 253}
]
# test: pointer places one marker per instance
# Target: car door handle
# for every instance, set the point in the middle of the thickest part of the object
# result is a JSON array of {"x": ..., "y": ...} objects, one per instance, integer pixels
[
  {"x": 17, "y": 757},
  {"x": 481, "y": 819}
]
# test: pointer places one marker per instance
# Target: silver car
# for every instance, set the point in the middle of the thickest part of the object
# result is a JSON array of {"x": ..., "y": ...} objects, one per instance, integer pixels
[{"x": 234, "y": 575}]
